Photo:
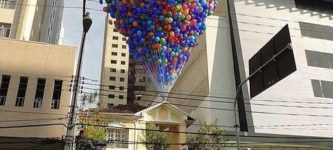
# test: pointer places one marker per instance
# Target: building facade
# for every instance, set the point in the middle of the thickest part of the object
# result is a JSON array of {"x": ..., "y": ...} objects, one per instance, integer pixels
[
  {"x": 122, "y": 78},
  {"x": 35, "y": 79},
  {"x": 31, "y": 20},
  {"x": 300, "y": 101}
]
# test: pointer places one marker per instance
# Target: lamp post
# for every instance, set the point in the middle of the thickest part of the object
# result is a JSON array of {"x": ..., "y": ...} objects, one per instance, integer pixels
[{"x": 87, "y": 22}]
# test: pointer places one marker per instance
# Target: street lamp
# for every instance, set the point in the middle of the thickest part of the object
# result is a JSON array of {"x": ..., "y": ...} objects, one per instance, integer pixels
[{"x": 87, "y": 22}]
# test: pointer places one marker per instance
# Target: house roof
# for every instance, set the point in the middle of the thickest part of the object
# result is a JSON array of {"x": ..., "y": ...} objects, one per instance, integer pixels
[{"x": 167, "y": 104}]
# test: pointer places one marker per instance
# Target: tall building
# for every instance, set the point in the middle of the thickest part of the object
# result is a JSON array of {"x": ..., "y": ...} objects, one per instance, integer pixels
[
  {"x": 122, "y": 78},
  {"x": 114, "y": 76},
  {"x": 300, "y": 101},
  {"x": 31, "y": 20},
  {"x": 34, "y": 90}
]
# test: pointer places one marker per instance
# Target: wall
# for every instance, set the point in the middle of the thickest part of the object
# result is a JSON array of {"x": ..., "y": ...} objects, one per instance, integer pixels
[
  {"x": 259, "y": 21},
  {"x": 208, "y": 74},
  {"x": 35, "y": 60}
]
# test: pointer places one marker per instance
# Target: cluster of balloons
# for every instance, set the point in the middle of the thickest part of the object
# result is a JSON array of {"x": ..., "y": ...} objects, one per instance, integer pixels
[{"x": 161, "y": 33}]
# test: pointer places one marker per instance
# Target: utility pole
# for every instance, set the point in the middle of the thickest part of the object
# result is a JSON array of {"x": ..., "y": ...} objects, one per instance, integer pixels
[
  {"x": 247, "y": 79},
  {"x": 87, "y": 22}
]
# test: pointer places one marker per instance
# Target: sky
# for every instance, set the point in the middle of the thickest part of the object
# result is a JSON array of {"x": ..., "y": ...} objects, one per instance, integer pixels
[{"x": 72, "y": 24}]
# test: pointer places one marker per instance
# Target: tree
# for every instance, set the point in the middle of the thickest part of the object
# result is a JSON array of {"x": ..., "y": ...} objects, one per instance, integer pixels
[
  {"x": 210, "y": 137},
  {"x": 90, "y": 99},
  {"x": 155, "y": 140}
]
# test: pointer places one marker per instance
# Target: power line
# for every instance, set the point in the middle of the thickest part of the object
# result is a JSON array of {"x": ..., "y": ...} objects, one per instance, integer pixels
[
  {"x": 203, "y": 96},
  {"x": 225, "y": 109},
  {"x": 209, "y": 100},
  {"x": 33, "y": 125}
]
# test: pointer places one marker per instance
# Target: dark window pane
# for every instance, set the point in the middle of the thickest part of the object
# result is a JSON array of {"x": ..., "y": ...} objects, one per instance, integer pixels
[
  {"x": 123, "y": 46},
  {"x": 123, "y": 62},
  {"x": 115, "y": 45},
  {"x": 22, "y": 87},
  {"x": 114, "y": 53},
  {"x": 112, "y": 87},
  {"x": 113, "y": 78},
  {"x": 316, "y": 31},
  {"x": 123, "y": 54},
  {"x": 113, "y": 62},
  {"x": 122, "y": 70},
  {"x": 4, "y": 85},
  {"x": 318, "y": 59},
  {"x": 327, "y": 87},
  {"x": 121, "y": 96},
  {"x": 317, "y": 91},
  {"x": 113, "y": 70},
  {"x": 57, "y": 90},
  {"x": 115, "y": 37},
  {"x": 110, "y": 96}
]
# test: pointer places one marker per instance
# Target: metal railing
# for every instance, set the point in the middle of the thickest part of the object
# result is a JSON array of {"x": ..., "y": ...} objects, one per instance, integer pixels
[
  {"x": 9, "y": 4},
  {"x": 19, "y": 102},
  {"x": 38, "y": 103},
  {"x": 4, "y": 32}
]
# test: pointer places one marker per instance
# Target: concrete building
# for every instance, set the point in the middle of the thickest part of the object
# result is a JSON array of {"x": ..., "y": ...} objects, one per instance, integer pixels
[
  {"x": 300, "y": 101},
  {"x": 31, "y": 20},
  {"x": 35, "y": 79},
  {"x": 122, "y": 78}
]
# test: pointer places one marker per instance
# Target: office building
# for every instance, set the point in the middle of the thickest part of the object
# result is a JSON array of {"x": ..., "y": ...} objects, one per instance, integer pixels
[
  {"x": 300, "y": 101},
  {"x": 34, "y": 90},
  {"x": 31, "y": 20},
  {"x": 122, "y": 79}
]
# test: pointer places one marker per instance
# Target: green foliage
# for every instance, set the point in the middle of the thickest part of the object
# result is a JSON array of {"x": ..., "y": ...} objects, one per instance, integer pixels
[
  {"x": 156, "y": 140},
  {"x": 95, "y": 132},
  {"x": 212, "y": 137}
]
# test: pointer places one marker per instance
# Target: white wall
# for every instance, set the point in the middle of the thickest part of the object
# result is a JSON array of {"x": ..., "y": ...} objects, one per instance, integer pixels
[{"x": 258, "y": 21}]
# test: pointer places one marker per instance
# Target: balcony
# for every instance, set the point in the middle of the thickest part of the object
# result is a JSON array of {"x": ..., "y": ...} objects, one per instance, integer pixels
[{"x": 2, "y": 100}]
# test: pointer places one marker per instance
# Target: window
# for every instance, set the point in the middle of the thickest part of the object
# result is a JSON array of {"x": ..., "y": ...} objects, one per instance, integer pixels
[
  {"x": 124, "y": 39},
  {"x": 4, "y": 28},
  {"x": 56, "y": 94},
  {"x": 319, "y": 59},
  {"x": 123, "y": 54},
  {"x": 113, "y": 62},
  {"x": 112, "y": 87},
  {"x": 110, "y": 96},
  {"x": 121, "y": 88},
  {"x": 115, "y": 37},
  {"x": 115, "y": 45},
  {"x": 115, "y": 30},
  {"x": 39, "y": 93},
  {"x": 118, "y": 137},
  {"x": 316, "y": 31},
  {"x": 110, "y": 105},
  {"x": 21, "y": 92},
  {"x": 122, "y": 79},
  {"x": 123, "y": 46},
  {"x": 322, "y": 88},
  {"x": 122, "y": 70},
  {"x": 10, "y": 4},
  {"x": 121, "y": 97},
  {"x": 123, "y": 62},
  {"x": 112, "y": 78},
  {"x": 139, "y": 88},
  {"x": 114, "y": 53},
  {"x": 4, "y": 89},
  {"x": 317, "y": 5},
  {"x": 113, "y": 70}
]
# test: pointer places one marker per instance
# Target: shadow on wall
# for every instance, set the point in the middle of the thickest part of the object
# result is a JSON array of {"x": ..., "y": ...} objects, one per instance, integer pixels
[{"x": 284, "y": 5}]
